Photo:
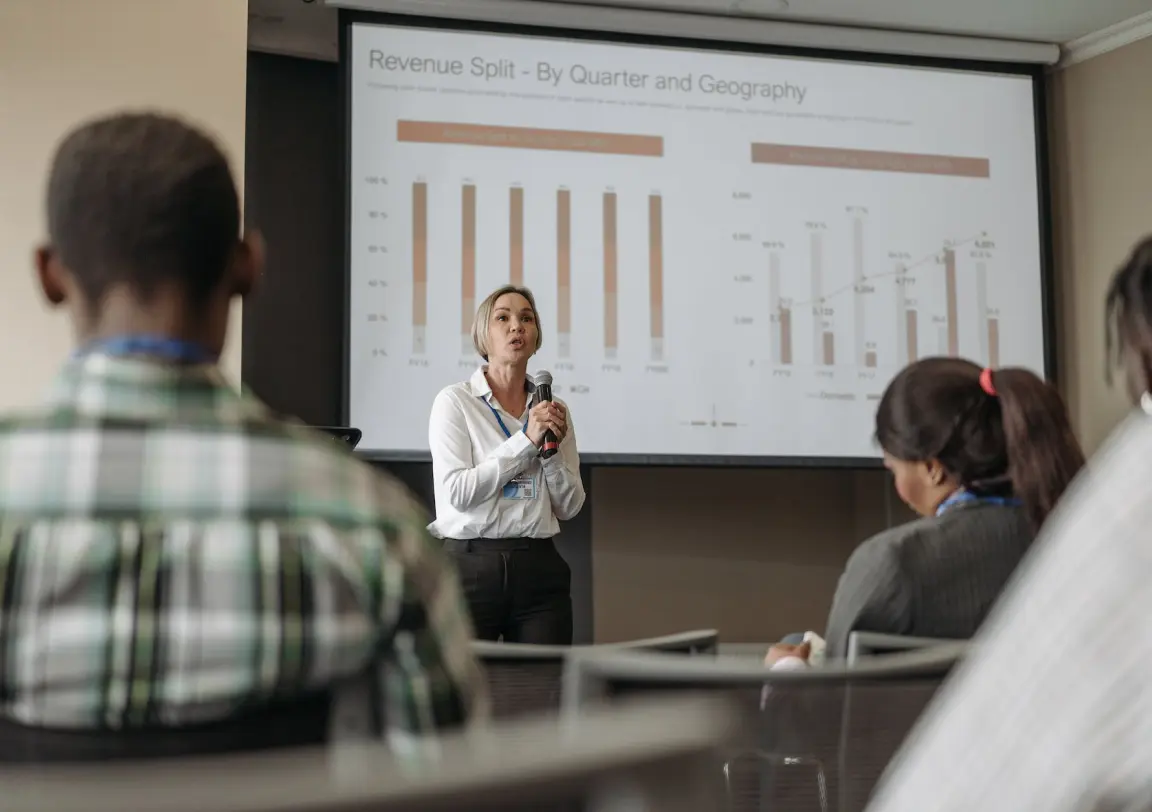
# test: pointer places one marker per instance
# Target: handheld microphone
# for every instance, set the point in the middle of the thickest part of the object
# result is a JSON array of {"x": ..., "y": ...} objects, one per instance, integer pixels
[{"x": 543, "y": 380}]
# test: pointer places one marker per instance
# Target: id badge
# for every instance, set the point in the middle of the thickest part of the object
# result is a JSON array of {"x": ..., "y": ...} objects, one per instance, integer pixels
[{"x": 522, "y": 487}]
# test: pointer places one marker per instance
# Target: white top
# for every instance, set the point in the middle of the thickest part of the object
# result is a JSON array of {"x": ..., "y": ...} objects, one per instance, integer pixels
[
  {"x": 472, "y": 460},
  {"x": 1053, "y": 712}
]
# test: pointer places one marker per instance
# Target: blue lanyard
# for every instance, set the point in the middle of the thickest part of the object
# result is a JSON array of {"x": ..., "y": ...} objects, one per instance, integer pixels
[
  {"x": 962, "y": 497},
  {"x": 496, "y": 414},
  {"x": 162, "y": 347}
]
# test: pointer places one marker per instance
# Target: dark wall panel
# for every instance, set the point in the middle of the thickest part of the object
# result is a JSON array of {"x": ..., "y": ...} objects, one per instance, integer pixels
[
  {"x": 293, "y": 327},
  {"x": 294, "y": 193}
]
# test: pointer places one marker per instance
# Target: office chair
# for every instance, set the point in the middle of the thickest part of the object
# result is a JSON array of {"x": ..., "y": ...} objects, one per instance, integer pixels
[
  {"x": 643, "y": 755},
  {"x": 525, "y": 678},
  {"x": 694, "y": 643},
  {"x": 870, "y": 644},
  {"x": 825, "y": 735}
]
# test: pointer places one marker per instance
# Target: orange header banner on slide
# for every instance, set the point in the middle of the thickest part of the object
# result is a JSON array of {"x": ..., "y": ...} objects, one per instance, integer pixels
[
  {"x": 871, "y": 161},
  {"x": 486, "y": 135}
]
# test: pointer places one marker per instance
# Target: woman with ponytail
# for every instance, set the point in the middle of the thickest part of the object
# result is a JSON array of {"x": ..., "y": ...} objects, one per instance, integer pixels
[
  {"x": 953, "y": 434},
  {"x": 983, "y": 456},
  {"x": 1051, "y": 710}
]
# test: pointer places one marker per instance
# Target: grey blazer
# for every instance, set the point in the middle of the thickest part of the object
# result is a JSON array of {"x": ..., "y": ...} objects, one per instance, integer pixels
[{"x": 934, "y": 577}]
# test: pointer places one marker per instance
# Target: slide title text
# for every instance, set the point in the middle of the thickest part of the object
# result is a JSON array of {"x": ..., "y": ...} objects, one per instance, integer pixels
[{"x": 507, "y": 70}]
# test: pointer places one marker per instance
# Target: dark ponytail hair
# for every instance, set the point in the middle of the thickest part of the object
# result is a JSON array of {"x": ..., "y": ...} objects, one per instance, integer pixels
[
  {"x": 1128, "y": 318},
  {"x": 1006, "y": 436}
]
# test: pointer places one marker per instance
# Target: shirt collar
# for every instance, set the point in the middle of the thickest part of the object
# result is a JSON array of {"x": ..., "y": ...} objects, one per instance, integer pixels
[
  {"x": 480, "y": 387},
  {"x": 143, "y": 389}
]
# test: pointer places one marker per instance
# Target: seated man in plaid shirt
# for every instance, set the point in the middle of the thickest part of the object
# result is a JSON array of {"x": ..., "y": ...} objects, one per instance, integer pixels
[{"x": 171, "y": 553}]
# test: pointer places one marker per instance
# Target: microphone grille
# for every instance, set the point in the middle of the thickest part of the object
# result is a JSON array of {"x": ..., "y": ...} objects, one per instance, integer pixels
[{"x": 543, "y": 378}]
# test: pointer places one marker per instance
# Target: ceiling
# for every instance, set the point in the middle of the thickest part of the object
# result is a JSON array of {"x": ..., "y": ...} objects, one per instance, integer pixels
[
  {"x": 308, "y": 28},
  {"x": 1041, "y": 20}
]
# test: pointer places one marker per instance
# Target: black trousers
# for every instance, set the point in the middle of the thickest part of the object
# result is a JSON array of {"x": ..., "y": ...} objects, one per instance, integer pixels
[{"x": 517, "y": 589}]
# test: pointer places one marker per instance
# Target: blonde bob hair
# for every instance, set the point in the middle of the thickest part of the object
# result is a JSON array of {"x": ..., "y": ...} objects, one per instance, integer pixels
[{"x": 484, "y": 315}]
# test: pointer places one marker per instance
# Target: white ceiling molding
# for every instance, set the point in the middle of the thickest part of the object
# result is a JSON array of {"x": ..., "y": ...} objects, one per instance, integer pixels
[
  {"x": 1107, "y": 39},
  {"x": 305, "y": 30},
  {"x": 730, "y": 29},
  {"x": 303, "y": 49}
]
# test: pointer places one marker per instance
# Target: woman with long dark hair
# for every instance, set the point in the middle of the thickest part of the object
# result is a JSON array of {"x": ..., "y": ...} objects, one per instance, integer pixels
[
  {"x": 983, "y": 456},
  {"x": 1051, "y": 710},
  {"x": 953, "y": 431}
]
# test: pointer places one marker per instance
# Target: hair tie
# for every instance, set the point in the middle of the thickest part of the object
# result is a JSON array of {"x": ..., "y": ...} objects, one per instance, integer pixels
[{"x": 986, "y": 382}]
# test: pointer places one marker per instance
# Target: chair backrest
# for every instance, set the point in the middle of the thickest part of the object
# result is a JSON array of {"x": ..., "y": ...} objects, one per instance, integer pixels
[
  {"x": 593, "y": 674},
  {"x": 298, "y": 723},
  {"x": 868, "y": 644},
  {"x": 522, "y": 679},
  {"x": 525, "y": 679},
  {"x": 840, "y": 725},
  {"x": 696, "y": 642},
  {"x": 647, "y": 755}
]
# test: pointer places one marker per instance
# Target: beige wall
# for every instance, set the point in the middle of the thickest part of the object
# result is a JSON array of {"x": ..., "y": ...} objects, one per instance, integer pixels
[
  {"x": 753, "y": 553},
  {"x": 757, "y": 553},
  {"x": 62, "y": 61},
  {"x": 1101, "y": 114}
]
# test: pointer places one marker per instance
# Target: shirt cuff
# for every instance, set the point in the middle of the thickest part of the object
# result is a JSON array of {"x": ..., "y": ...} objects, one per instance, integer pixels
[
  {"x": 789, "y": 664},
  {"x": 522, "y": 447},
  {"x": 554, "y": 464}
]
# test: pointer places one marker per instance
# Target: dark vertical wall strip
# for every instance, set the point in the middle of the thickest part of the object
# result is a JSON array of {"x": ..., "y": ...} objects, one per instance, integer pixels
[
  {"x": 294, "y": 193},
  {"x": 575, "y": 544},
  {"x": 293, "y": 330}
]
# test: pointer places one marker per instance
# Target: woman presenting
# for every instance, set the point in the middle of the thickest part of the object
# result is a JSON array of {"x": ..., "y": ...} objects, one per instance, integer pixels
[{"x": 497, "y": 500}]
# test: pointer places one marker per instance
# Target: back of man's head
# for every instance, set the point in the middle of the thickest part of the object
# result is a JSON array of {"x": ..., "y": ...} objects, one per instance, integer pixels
[{"x": 145, "y": 202}]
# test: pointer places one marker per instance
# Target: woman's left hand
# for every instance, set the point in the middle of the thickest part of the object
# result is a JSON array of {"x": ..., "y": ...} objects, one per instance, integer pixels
[
  {"x": 557, "y": 420},
  {"x": 782, "y": 651}
]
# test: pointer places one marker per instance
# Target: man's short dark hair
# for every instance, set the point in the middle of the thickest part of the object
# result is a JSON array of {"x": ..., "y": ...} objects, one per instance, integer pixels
[{"x": 146, "y": 201}]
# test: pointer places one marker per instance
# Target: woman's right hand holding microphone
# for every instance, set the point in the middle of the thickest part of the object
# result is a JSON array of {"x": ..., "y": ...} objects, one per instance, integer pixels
[{"x": 545, "y": 415}]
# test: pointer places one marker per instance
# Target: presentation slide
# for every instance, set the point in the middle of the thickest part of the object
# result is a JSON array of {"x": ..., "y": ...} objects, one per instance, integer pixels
[{"x": 732, "y": 254}]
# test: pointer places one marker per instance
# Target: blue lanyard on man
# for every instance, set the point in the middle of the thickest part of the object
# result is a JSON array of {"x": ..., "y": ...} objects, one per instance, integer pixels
[
  {"x": 503, "y": 428},
  {"x": 963, "y": 497},
  {"x": 160, "y": 347}
]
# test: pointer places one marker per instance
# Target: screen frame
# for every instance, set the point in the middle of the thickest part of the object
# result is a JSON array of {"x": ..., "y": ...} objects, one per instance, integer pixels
[{"x": 1037, "y": 73}]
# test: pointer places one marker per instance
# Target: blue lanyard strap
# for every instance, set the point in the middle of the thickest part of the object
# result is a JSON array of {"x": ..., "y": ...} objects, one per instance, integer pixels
[
  {"x": 496, "y": 414},
  {"x": 963, "y": 497},
  {"x": 167, "y": 349}
]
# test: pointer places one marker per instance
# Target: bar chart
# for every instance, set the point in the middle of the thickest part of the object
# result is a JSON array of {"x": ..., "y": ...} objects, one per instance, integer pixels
[
  {"x": 419, "y": 266},
  {"x": 947, "y": 269},
  {"x": 470, "y": 211},
  {"x": 903, "y": 305},
  {"x": 781, "y": 314},
  {"x": 611, "y": 312},
  {"x": 656, "y": 274},
  {"x": 823, "y": 339},
  {"x": 467, "y": 265},
  {"x": 865, "y": 356},
  {"x": 564, "y": 271},
  {"x": 516, "y": 235},
  {"x": 469, "y": 223},
  {"x": 907, "y": 336},
  {"x": 848, "y": 297}
]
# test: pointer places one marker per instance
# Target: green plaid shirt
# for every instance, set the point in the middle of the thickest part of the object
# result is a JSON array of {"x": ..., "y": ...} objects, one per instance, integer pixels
[{"x": 171, "y": 552}]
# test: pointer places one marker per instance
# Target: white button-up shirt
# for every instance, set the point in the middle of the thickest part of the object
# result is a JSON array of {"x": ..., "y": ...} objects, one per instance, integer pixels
[{"x": 472, "y": 460}]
